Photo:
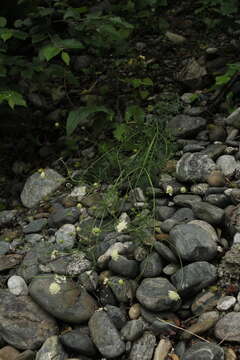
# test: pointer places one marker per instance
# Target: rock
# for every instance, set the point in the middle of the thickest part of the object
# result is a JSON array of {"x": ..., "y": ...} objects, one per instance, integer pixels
[
  {"x": 164, "y": 212},
  {"x": 228, "y": 165},
  {"x": 182, "y": 215},
  {"x": 158, "y": 294},
  {"x": 205, "y": 351},
  {"x": 7, "y": 216},
  {"x": 205, "y": 322},
  {"x": 62, "y": 298},
  {"x": 79, "y": 341},
  {"x": 51, "y": 349},
  {"x": 117, "y": 315},
  {"x": 208, "y": 212},
  {"x": 206, "y": 226},
  {"x": 132, "y": 330},
  {"x": 108, "y": 342},
  {"x": 28, "y": 268},
  {"x": 160, "y": 323},
  {"x": 89, "y": 280},
  {"x": 40, "y": 185},
  {"x": 66, "y": 237},
  {"x": 219, "y": 200},
  {"x": 35, "y": 226},
  {"x": 234, "y": 118},
  {"x": 9, "y": 261},
  {"x": 4, "y": 247},
  {"x": 123, "y": 289},
  {"x": 71, "y": 264},
  {"x": 165, "y": 252},
  {"x": 194, "y": 167},
  {"x": 226, "y": 302},
  {"x": 216, "y": 178},
  {"x": 134, "y": 311},
  {"x": 193, "y": 243},
  {"x": 143, "y": 348},
  {"x": 185, "y": 126},
  {"x": 8, "y": 353},
  {"x": 186, "y": 199},
  {"x": 175, "y": 38},
  {"x": 199, "y": 189},
  {"x": 23, "y": 324},
  {"x": 205, "y": 301},
  {"x": 214, "y": 150},
  {"x": 163, "y": 348},
  {"x": 228, "y": 327},
  {"x": 151, "y": 266},
  {"x": 196, "y": 276},
  {"x": 62, "y": 216},
  {"x": 17, "y": 285},
  {"x": 192, "y": 74},
  {"x": 122, "y": 266}
]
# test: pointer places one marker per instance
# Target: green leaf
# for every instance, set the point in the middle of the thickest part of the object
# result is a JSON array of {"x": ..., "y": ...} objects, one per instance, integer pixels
[
  {"x": 3, "y": 21},
  {"x": 80, "y": 116},
  {"x": 75, "y": 12},
  {"x": 65, "y": 57},
  {"x": 147, "y": 82},
  {"x": 3, "y": 71},
  {"x": 12, "y": 97},
  {"x": 69, "y": 44},
  {"x": 134, "y": 112},
  {"x": 120, "y": 132},
  {"x": 48, "y": 52},
  {"x": 6, "y": 34}
]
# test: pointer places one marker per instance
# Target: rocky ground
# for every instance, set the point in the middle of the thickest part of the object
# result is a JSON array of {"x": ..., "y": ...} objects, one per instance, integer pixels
[{"x": 79, "y": 282}]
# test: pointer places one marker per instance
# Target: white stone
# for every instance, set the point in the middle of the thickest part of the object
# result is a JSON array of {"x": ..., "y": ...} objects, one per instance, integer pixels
[
  {"x": 227, "y": 164},
  {"x": 17, "y": 285},
  {"x": 226, "y": 303},
  {"x": 66, "y": 236}
]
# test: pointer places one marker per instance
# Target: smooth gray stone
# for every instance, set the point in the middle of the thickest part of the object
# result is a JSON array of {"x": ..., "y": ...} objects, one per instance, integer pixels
[
  {"x": 164, "y": 212},
  {"x": 185, "y": 126},
  {"x": 123, "y": 266},
  {"x": 40, "y": 185},
  {"x": 4, "y": 247},
  {"x": 71, "y": 264},
  {"x": 143, "y": 347},
  {"x": 204, "y": 351},
  {"x": 219, "y": 200},
  {"x": 208, "y": 212},
  {"x": 52, "y": 349},
  {"x": 89, "y": 280},
  {"x": 194, "y": 167},
  {"x": 193, "y": 243},
  {"x": 78, "y": 341},
  {"x": 154, "y": 323},
  {"x": 117, "y": 315},
  {"x": 228, "y": 164},
  {"x": 123, "y": 289},
  {"x": 132, "y": 330},
  {"x": 228, "y": 327},
  {"x": 186, "y": 199},
  {"x": 62, "y": 216},
  {"x": 165, "y": 252},
  {"x": 7, "y": 216},
  {"x": 105, "y": 335},
  {"x": 214, "y": 150},
  {"x": 182, "y": 215},
  {"x": 192, "y": 148},
  {"x": 35, "y": 226},
  {"x": 197, "y": 276},
  {"x": 62, "y": 298},
  {"x": 151, "y": 266},
  {"x": 155, "y": 294},
  {"x": 21, "y": 319}
]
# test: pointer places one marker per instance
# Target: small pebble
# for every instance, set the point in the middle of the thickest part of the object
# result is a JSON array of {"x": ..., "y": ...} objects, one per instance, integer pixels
[
  {"x": 225, "y": 303},
  {"x": 17, "y": 285}
]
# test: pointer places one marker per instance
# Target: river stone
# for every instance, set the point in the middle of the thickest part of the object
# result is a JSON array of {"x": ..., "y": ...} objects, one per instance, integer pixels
[
  {"x": 226, "y": 302},
  {"x": 23, "y": 324},
  {"x": 234, "y": 118},
  {"x": 66, "y": 236},
  {"x": 40, "y": 185},
  {"x": 62, "y": 298},
  {"x": 228, "y": 327},
  {"x": 143, "y": 348},
  {"x": 185, "y": 126},
  {"x": 71, "y": 264},
  {"x": 208, "y": 212},
  {"x": 151, "y": 266},
  {"x": 186, "y": 199},
  {"x": 108, "y": 342},
  {"x": 62, "y": 216},
  {"x": 227, "y": 164},
  {"x": 206, "y": 226},
  {"x": 164, "y": 212},
  {"x": 158, "y": 294},
  {"x": 214, "y": 150},
  {"x": 204, "y": 351},
  {"x": 159, "y": 322},
  {"x": 219, "y": 200},
  {"x": 192, "y": 278},
  {"x": 79, "y": 341},
  {"x": 165, "y": 252},
  {"x": 123, "y": 289},
  {"x": 117, "y": 315},
  {"x": 51, "y": 349},
  {"x": 7, "y": 216},
  {"x": 132, "y": 330},
  {"x": 193, "y": 243},
  {"x": 182, "y": 215},
  {"x": 194, "y": 167},
  {"x": 17, "y": 285},
  {"x": 122, "y": 266},
  {"x": 35, "y": 226}
]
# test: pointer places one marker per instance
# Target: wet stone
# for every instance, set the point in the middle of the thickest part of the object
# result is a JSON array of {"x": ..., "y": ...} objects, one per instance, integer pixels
[
  {"x": 193, "y": 243},
  {"x": 165, "y": 252},
  {"x": 108, "y": 342},
  {"x": 123, "y": 266},
  {"x": 154, "y": 323},
  {"x": 197, "y": 276},
  {"x": 228, "y": 327},
  {"x": 132, "y": 330},
  {"x": 194, "y": 167},
  {"x": 123, "y": 289},
  {"x": 158, "y": 294},
  {"x": 205, "y": 301},
  {"x": 117, "y": 315},
  {"x": 219, "y": 200},
  {"x": 204, "y": 351},
  {"x": 51, "y": 349},
  {"x": 186, "y": 200}
]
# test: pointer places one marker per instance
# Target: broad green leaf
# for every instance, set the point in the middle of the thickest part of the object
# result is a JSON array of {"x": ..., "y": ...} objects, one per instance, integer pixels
[
  {"x": 12, "y": 97},
  {"x": 3, "y": 21},
  {"x": 75, "y": 12},
  {"x": 48, "y": 52},
  {"x": 6, "y": 35},
  {"x": 69, "y": 44},
  {"x": 80, "y": 116},
  {"x": 65, "y": 57},
  {"x": 134, "y": 112},
  {"x": 147, "y": 82}
]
